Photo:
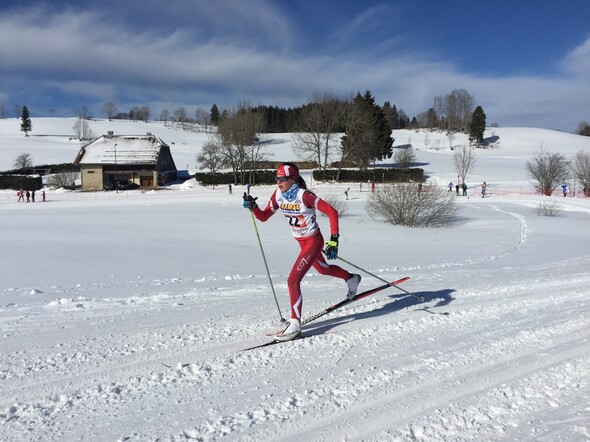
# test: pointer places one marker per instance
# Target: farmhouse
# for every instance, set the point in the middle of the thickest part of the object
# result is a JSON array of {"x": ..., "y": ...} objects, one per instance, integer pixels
[{"x": 125, "y": 161}]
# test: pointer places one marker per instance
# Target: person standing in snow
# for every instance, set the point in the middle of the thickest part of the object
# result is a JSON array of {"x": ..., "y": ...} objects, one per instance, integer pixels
[
  {"x": 564, "y": 189},
  {"x": 299, "y": 205},
  {"x": 464, "y": 187},
  {"x": 451, "y": 186},
  {"x": 484, "y": 186}
]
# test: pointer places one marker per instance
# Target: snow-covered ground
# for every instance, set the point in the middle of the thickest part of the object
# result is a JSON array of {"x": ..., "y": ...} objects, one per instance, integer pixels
[{"x": 99, "y": 290}]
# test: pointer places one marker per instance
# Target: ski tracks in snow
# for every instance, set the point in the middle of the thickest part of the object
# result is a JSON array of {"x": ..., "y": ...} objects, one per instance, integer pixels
[{"x": 505, "y": 358}]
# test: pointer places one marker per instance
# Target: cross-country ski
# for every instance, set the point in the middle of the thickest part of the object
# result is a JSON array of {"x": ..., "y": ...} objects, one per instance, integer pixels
[{"x": 337, "y": 306}]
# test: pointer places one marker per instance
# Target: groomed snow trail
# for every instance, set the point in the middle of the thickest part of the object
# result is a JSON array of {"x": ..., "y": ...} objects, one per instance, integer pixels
[{"x": 499, "y": 350}]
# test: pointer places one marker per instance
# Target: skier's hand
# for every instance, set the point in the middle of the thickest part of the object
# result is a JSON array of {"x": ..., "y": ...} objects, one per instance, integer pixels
[
  {"x": 332, "y": 247},
  {"x": 250, "y": 202}
]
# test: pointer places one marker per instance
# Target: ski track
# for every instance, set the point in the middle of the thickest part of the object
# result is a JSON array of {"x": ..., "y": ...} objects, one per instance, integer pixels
[
  {"x": 521, "y": 374},
  {"x": 375, "y": 384}
]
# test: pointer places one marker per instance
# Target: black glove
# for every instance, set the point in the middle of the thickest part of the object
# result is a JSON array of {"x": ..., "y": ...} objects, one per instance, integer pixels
[
  {"x": 332, "y": 247},
  {"x": 250, "y": 202}
]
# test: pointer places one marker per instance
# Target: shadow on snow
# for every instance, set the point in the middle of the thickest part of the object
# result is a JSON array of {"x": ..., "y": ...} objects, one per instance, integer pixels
[{"x": 398, "y": 302}]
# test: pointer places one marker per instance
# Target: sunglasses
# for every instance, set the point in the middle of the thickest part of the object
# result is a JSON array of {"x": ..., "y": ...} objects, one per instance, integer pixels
[{"x": 282, "y": 179}]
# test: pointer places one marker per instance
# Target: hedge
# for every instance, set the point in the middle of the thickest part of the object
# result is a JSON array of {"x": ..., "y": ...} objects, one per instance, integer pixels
[
  {"x": 374, "y": 175},
  {"x": 17, "y": 182},
  {"x": 268, "y": 176}
]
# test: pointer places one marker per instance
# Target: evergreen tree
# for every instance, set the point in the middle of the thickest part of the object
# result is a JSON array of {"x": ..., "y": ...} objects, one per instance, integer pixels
[
  {"x": 478, "y": 124},
  {"x": 395, "y": 118},
  {"x": 214, "y": 115},
  {"x": 26, "y": 126},
  {"x": 389, "y": 115},
  {"x": 584, "y": 129},
  {"x": 368, "y": 134}
]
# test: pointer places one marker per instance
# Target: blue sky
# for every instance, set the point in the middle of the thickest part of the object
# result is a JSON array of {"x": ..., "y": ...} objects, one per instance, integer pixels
[{"x": 526, "y": 63}]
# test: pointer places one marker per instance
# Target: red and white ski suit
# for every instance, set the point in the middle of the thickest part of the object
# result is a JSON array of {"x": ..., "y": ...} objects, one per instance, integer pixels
[{"x": 301, "y": 215}]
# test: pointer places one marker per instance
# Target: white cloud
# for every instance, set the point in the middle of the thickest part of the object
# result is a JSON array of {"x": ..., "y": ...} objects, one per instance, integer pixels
[
  {"x": 577, "y": 61},
  {"x": 242, "y": 50}
]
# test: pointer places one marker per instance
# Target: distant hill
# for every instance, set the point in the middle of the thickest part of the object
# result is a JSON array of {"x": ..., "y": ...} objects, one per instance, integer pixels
[{"x": 51, "y": 141}]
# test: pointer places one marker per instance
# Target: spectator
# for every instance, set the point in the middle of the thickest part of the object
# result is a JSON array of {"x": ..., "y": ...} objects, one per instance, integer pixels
[{"x": 565, "y": 189}]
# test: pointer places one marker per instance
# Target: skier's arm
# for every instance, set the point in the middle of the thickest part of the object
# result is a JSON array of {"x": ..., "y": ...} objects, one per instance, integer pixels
[
  {"x": 269, "y": 210},
  {"x": 311, "y": 200}
]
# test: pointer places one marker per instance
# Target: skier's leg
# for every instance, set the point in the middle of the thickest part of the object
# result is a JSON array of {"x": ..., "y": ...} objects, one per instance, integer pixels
[
  {"x": 302, "y": 265},
  {"x": 320, "y": 264}
]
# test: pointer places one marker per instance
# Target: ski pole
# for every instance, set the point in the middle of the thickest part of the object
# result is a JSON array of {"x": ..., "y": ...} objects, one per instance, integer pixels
[
  {"x": 419, "y": 298},
  {"x": 266, "y": 265}
]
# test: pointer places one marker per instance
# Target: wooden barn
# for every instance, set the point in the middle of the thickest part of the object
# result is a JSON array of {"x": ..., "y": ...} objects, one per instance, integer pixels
[{"x": 125, "y": 162}]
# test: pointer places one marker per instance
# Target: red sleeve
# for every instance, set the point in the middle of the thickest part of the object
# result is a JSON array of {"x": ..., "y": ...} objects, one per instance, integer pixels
[
  {"x": 311, "y": 200},
  {"x": 269, "y": 210}
]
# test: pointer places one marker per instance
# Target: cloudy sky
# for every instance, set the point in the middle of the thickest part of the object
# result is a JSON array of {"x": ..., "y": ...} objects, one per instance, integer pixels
[{"x": 526, "y": 63}]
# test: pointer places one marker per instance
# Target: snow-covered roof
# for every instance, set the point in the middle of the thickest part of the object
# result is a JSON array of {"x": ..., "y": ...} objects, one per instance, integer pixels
[{"x": 123, "y": 149}]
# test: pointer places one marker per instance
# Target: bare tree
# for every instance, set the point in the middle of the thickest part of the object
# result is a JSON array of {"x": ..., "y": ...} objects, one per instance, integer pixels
[
  {"x": 65, "y": 180},
  {"x": 402, "y": 204},
  {"x": 211, "y": 157},
  {"x": 140, "y": 113},
  {"x": 581, "y": 169},
  {"x": 316, "y": 127},
  {"x": 164, "y": 116},
  {"x": 23, "y": 161},
  {"x": 548, "y": 170},
  {"x": 238, "y": 137},
  {"x": 82, "y": 113},
  {"x": 405, "y": 157},
  {"x": 464, "y": 160},
  {"x": 451, "y": 136},
  {"x": 82, "y": 129},
  {"x": 180, "y": 115},
  {"x": 202, "y": 117},
  {"x": 455, "y": 109},
  {"x": 109, "y": 109}
]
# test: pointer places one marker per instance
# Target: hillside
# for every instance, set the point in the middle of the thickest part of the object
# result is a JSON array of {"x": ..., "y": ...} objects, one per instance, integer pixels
[{"x": 50, "y": 142}]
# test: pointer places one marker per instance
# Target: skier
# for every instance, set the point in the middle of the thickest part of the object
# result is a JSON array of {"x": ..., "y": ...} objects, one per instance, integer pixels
[
  {"x": 299, "y": 207},
  {"x": 451, "y": 186}
]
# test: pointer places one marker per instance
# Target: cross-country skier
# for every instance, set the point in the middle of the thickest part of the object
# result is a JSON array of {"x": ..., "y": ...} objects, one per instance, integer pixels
[{"x": 299, "y": 207}]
